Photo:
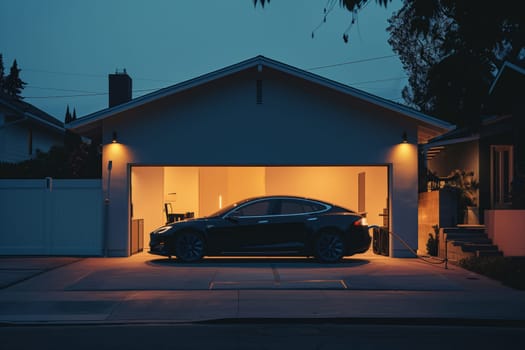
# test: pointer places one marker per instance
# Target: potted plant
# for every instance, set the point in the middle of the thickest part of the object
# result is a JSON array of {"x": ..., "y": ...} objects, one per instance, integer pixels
[{"x": 466, "y": 186}]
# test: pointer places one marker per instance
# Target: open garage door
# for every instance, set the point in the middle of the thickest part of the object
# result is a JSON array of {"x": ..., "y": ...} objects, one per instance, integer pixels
[{"x": 186, "y": 191}]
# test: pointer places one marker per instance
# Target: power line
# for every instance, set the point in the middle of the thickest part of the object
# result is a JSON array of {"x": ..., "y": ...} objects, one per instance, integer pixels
[
  {"x": 83, "y": 95},
  {"x": 378, "y": 80},
  {"x": 57, "y": 89},
  {"x": 90, "y": 75},
  {"x": 352, "y": 62}
]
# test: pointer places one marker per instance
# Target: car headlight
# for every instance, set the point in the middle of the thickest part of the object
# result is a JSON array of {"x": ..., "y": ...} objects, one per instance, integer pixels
[{"x": 162, "y": 229}]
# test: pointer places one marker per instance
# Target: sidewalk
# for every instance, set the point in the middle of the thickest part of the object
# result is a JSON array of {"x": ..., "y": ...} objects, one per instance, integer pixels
[{"x": 145, "y": 288}]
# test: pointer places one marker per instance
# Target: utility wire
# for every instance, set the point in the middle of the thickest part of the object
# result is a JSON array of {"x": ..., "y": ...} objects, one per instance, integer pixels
[
  {"x": 86, "y": 94},
  {"x": 352, "y": 62}
]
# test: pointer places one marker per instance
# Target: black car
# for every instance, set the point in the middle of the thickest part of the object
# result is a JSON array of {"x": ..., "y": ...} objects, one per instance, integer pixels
[{"x": 270, "y": 225}]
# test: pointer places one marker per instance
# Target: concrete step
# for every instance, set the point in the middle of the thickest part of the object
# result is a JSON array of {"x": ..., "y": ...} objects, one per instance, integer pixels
[
  {"x": 472, "y": 247},
  {"x": 478, "y": 229},
  {"x": 489, "y": 253},
  {"x": 473, "y": 239}
]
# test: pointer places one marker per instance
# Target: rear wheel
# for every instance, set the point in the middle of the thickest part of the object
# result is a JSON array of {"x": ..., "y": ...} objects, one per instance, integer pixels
[
  {"x": 189, "y": 246},
  {"x": 329, "y": 247}
]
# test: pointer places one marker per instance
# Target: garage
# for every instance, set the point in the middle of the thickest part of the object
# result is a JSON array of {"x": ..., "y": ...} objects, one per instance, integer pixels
[
  {"x": 195, "y": 191},
  {"x": 256, "y": 127}
]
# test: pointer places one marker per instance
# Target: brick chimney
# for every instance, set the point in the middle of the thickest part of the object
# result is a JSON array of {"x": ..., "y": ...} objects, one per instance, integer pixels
[{"x": 119, "y": 88}]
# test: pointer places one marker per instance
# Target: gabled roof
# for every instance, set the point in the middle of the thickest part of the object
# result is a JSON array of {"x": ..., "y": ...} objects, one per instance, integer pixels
[
  {"x": 508, "y": 69},
  {"x": 90, "y": 121},
  {"x": 31, "y": 113},
  {"x": 507, "y": 88}
]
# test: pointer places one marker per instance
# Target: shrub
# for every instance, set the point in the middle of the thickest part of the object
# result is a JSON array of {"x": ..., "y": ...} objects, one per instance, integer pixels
[
  {"x": 509, "y": 271},
  {"x": 433, "y": 242}
]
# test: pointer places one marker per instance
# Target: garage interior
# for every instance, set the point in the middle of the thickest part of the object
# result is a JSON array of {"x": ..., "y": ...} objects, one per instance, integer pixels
[{"x": 201, "y": 190}]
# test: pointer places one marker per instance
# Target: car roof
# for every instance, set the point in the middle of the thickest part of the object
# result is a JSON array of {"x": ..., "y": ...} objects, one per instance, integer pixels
[{"x": 283, "y": 197}]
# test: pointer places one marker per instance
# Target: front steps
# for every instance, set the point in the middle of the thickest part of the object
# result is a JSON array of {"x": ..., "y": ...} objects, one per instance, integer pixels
[{"x": 465, "y": 241}]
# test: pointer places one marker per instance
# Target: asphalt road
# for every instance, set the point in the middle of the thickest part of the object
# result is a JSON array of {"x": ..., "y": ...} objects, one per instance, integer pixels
[{"x": 248, "y": 336}]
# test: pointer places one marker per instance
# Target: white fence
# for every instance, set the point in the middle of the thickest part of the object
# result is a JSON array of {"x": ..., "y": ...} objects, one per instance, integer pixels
[{"x": 51, "y": 217}]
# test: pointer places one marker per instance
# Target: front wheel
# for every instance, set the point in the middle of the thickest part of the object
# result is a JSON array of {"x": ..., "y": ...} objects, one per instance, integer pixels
[
  {"x": 189, "y": 247},
  {"x": 329, "y": 247}
]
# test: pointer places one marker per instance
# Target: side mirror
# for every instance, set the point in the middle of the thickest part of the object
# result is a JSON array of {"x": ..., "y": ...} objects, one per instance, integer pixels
[{"x": 233, "y": 218}]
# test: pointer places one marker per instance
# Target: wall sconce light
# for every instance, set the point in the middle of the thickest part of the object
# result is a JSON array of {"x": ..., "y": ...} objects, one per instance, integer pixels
[
  {"x": 114, "y": 139},
  {"x": 405, "y": 137}
]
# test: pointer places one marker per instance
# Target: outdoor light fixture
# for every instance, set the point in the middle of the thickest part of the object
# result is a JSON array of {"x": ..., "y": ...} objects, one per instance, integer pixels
[
  {"x": 405, "y": 137},
  {"x": 114, "y": 140}
]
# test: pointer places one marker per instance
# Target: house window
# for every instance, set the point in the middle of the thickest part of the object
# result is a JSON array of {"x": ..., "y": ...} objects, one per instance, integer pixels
[
  {"x": 501, "y": 175},
  {"x": 30, "y": 142},
  {"x": 258, "y": 88}
]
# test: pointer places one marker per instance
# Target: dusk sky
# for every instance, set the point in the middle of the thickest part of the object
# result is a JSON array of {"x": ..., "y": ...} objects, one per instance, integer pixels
[{"x": 66, "y": 48}]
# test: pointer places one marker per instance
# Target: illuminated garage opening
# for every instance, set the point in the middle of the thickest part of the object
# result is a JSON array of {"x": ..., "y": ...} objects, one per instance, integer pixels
[{"x": 186, "y": 191}]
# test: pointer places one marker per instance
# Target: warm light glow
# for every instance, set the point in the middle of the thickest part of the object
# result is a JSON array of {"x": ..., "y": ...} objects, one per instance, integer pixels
[
  {"x": 220, "y": 201},
  {"x": 118, "y": 153}
]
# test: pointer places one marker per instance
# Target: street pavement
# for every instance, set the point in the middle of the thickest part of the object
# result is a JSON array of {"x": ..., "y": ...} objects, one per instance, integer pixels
[{"x": 144, "y": 288}]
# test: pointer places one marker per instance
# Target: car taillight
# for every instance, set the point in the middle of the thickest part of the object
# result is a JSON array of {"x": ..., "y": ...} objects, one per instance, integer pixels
[{"x": 361, "y": 222}]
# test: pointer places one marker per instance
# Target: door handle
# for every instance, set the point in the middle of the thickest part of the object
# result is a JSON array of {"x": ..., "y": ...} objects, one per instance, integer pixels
[
  {"x": 312, "y": 219},
  {"x": 262, "y": 221}
]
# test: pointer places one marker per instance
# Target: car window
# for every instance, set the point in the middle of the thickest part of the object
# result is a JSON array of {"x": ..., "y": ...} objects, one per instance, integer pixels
[
  {"x": 260, "y": 208},
  {"x": 291, "y": 206}
]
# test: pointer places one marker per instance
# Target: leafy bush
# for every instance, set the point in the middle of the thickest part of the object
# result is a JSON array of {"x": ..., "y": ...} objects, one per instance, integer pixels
[
  {"x": 433, "y": 242},
  {"x": 509, "y": 271}
]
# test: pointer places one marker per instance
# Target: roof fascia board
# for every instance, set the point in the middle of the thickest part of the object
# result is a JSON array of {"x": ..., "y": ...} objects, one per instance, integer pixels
[
  {"x": 450, "y": 141},
  {"x": 500, "y": 73},
  {"x": 45, "y": 122},
  {"x": 32, "y": 116}
]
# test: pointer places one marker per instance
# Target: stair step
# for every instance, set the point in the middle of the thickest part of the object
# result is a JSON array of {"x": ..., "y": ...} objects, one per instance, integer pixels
[
  {"x": 465, "y": 230},
  {"x": 468, "y": 247},
  {"x": 489, "y": 253},
  {"x": 476, "y": 240}
]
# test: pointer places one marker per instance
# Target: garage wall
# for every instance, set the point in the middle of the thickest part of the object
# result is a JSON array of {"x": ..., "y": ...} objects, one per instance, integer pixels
[
  {"x": 148, "y": 197},
  {"x": 181, "y": 189},
  {"x": 244, "y": 182},
  {"x": 337, "y": 184}
]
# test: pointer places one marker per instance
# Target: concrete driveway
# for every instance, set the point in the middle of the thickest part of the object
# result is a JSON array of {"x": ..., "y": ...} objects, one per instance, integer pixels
[{"x": 146, "y": 288}]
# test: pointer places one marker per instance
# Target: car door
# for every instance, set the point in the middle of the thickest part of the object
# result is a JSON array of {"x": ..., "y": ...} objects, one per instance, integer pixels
[
  {"x": 290, "y": 226},
  {"x": 245, "y": 231}
]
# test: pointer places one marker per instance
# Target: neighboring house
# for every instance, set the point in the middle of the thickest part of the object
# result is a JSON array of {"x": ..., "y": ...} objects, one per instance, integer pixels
[
  {"x": 495, "y": 154},
  {"x": 256, "y": 127},
  {"x": 24, "y": 129}
]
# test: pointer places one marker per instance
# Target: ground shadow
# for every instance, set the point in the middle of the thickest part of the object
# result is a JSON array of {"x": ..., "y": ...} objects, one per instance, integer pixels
[{"x": 250, "y": 262}]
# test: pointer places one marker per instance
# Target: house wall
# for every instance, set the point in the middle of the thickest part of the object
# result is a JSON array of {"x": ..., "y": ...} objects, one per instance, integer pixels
[
  {"x": 62, "y": 217},
  {"x": 462, "y": 156},
  {"x": 506, "y": 228},
  {"x": 14, "y": 140},
  {"x": 298, "y": 123},
  {"x": 435, "y": 208}
]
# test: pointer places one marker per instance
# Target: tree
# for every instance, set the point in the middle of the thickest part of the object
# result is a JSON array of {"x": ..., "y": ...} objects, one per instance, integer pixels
[
  {"x": 454, "y": 50},
  {"x": 13, "y": 85},
  {"x": 67, "y": 118}
]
